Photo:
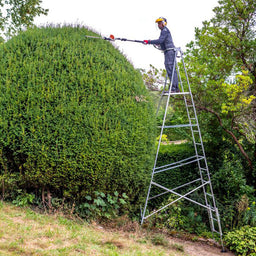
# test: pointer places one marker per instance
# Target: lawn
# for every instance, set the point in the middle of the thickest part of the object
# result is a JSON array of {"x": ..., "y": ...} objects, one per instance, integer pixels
[{"x": 25, "y": 232}]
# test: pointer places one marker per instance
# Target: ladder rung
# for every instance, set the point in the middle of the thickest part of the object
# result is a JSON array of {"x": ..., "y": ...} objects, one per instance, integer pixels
[
  {"x": 200, "y": 144},
  {"x": 204, "y": 169},
  {"x": 209, "y": 194},
  {"x": 179, "y": 125},
  {"x": 174, "y": 93}
]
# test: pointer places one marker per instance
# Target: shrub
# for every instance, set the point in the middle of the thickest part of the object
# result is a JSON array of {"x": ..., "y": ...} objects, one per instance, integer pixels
[
  {"x": 75, "y": 116},
  {"x": 242, "y": 241}
]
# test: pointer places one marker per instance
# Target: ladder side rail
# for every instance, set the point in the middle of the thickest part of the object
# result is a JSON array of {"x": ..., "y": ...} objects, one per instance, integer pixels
[
  {"x": 186, "y": 105},
  {"x": 197, "y": 124},
  {"x": 178, "y": 71},
  {"x": 165, "y": 114},
  {"x": 200, "y": 138},
  {"x": 160, "y": 138}
]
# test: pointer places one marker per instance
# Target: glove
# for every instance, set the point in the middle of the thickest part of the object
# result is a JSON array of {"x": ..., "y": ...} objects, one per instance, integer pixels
[{"x": 145, "y": 41}]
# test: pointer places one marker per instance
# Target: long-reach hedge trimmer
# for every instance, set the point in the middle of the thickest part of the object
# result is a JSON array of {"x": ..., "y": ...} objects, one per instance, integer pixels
[{"x": 112, "y": 38}]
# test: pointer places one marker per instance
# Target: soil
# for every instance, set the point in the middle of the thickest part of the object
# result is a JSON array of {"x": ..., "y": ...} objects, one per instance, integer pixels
[
  {"x": 200, "y": 248},
  {"x": 191, "y": 247}
]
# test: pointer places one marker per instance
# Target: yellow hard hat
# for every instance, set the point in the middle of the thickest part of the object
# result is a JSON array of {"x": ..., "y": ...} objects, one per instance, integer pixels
[{"x": 162, "y": 19}]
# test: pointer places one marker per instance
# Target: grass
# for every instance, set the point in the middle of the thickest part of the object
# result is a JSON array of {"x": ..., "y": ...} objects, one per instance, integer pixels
[{"x": 25, "y": 232}]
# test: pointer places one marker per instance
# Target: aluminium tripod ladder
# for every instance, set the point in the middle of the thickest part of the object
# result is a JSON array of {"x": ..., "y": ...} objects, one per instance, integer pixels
[{"x": 202, "y": 184}]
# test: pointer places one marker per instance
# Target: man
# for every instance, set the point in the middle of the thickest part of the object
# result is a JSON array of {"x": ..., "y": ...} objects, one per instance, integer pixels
[{"x": 167, "y": 46}]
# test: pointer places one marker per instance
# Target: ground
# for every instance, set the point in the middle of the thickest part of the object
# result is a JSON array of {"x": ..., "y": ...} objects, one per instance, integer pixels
[
  {"x": 200, "y": 249},
  {"x": 25, "y": 232}
]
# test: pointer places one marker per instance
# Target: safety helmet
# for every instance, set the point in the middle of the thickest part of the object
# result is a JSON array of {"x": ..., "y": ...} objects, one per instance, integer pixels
[{"x": 164, "y": 20}]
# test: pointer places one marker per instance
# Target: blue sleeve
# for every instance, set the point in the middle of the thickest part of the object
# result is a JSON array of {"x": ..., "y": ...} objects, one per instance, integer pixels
[{"x": 162, "y": 38}]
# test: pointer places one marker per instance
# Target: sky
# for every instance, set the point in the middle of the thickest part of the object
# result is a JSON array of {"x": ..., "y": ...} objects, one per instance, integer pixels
[{"x": 133, "y": 19}]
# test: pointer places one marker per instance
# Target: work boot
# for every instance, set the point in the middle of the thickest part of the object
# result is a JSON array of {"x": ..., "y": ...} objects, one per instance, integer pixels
[{"x": 175, "y": 90}]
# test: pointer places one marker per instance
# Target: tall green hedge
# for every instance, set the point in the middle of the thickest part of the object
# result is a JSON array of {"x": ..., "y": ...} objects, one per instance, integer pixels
[{"x": 75, "y": 116}]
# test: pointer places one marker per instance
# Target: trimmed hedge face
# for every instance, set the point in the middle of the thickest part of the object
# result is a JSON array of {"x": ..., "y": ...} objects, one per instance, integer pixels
[{"x": 75, "y": 115}]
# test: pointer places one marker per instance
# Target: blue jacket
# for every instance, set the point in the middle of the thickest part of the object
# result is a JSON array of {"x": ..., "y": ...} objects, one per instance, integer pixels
[{"x": 165, "y": 39}]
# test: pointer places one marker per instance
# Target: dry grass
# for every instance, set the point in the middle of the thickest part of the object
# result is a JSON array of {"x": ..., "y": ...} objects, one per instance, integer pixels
[{"x": 24, "y": 232}]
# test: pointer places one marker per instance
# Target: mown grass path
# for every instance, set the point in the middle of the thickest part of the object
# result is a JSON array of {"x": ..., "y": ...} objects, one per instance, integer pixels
[{"x": 25, "y": 232}]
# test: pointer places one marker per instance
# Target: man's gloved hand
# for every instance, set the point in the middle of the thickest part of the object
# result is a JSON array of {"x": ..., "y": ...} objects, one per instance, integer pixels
[{"x": 145, "y": 41}]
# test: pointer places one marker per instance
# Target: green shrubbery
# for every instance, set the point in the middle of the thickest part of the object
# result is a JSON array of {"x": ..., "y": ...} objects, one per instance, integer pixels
[
  {"x": 75, "y": 117},
  {"x": 242, "y": 241}
]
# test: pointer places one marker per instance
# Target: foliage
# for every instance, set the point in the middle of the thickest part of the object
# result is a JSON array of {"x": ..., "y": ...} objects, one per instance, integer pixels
[
  {"x": 236, "y": 101},
  {"x": 230, "y": 187},
  {"x": 224, "y": 47},
  {"x": 170, "y": 217},
  {"x": 242, "y": 241},
  {"x": 102, "y": 206},
  {"x": 154, "y": 78},
  {"x": 15, "y": 15},
  {"x": 23, "y": 199},
  {"x": 250, "y": 215},
  {"x": 75, "y": 117}
]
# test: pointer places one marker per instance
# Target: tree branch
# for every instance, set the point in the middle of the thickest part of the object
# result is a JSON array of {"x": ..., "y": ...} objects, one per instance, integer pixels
[{"x": 229, "y": 132}]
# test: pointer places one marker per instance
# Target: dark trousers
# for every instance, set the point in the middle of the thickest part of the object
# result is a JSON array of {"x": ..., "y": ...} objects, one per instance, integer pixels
[{"x": 169, "y": 62}]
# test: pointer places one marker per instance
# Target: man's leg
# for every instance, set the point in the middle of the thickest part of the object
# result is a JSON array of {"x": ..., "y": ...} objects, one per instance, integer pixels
[{"x": 169, "y": 65}]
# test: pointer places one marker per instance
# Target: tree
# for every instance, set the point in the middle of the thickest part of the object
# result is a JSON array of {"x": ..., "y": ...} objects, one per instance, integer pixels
[
  {"x": 224, "y": 46},
  {"x": 154, "y": 78},
  {"x": 18, "y": 14}
]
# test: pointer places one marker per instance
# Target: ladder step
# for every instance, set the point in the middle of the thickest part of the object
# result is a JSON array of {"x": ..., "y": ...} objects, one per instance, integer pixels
[
  {"x": 178, "y": 126},
  {"x": 174, "y": 93},
  {"x": 209, "y": 194}
]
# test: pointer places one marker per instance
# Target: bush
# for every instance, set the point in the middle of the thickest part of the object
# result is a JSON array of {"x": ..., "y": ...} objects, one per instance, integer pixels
[
  {"x": 242, "y": 241},
  {"x": 231, "y": 189},
  {"x": 75, "y": 116}
]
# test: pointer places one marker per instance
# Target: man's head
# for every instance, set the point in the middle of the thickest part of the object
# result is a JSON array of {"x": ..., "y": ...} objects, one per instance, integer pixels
[{"x": 162, "y": 22}]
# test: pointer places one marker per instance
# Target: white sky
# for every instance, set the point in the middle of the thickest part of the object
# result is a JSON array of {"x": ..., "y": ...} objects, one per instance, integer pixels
[{"x": 133, "y": 19}]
